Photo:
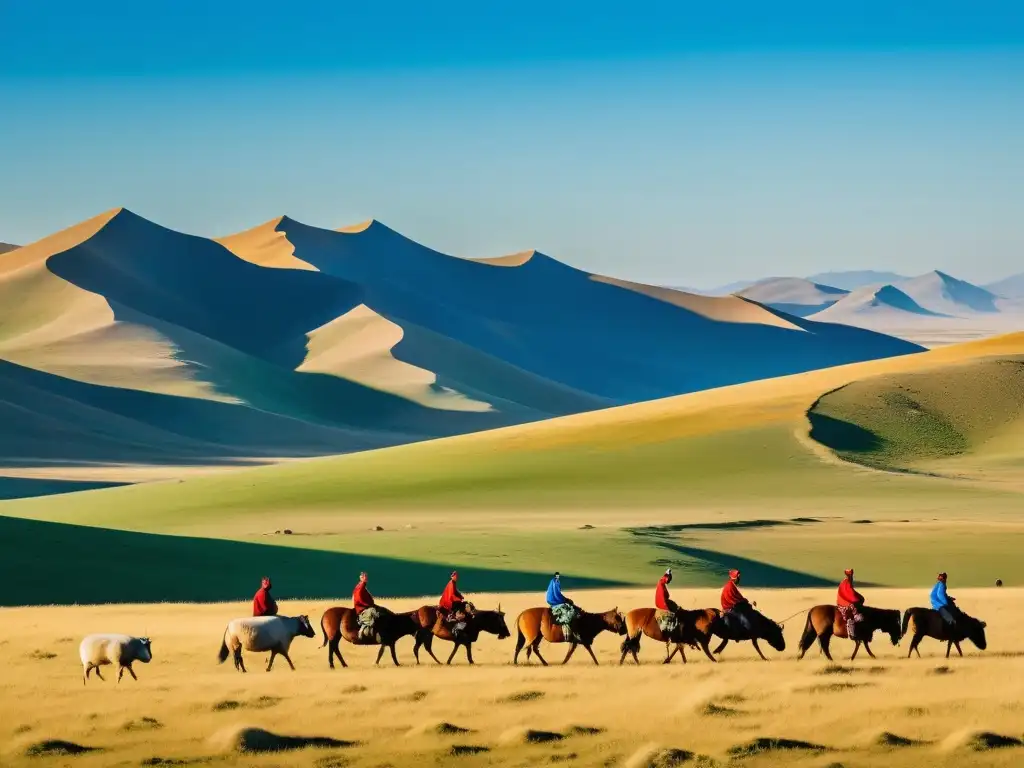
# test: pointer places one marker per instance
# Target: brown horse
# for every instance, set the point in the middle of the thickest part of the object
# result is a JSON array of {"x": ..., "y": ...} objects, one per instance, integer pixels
[
  {"x": 694, "y": 630},
  {"x": 341, "y": 622},
  {"x": 925, "y": 622},
  {"x": 824, "y": 622},
  {"x": 432, "y": 626},
  {"x": 536, "y": 624}
]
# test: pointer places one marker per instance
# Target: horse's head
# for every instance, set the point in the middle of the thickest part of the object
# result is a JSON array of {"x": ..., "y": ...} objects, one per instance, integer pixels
[
  {"x": 890, "y": 624},
  {"x": 616, "y": 621},
  {"x": 773, "y": 633},
  {"x": 305, "y": 628},
  {"x": 493, "y": 622},
  {"x": 975, "y": 631}
]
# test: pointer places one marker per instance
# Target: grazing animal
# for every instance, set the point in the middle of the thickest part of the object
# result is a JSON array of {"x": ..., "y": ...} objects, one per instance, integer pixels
[
  {"x": 824, "y": 623},
  {"x": 431, "y": 625},
  {"x": 920, "y": 623},
  {"x": 342, "y": 622},
  {"x": 123, "y": 650},
  {"x": 536, "y": 624},
  {"x": 263, "y": 633},
  {"x": 693, "y": 629},
  {"x": 761, "y": 628}
]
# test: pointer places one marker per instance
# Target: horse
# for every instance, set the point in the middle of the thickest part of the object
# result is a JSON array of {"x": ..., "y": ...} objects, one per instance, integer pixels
[
  {"x": 536, "y": 624},
  {"x": 431, "y": 626},
  {"x": 824, "y": 622},
  {"x": 341, "y": 622},
  {"x": 694, "y": 630},
  {"x": 925, "y": 622},
  {"x": 761, "y": 628}
]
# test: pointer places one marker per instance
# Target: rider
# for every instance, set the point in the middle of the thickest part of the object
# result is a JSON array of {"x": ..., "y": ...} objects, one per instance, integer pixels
[
  {"x": 849, "y": 602},
  {"x": 665, "y": 605},
  {"x": 734, "y": 603},
  {"x": 563, "y": 610},
  {"x": 366, "y": 609},
  {"x": 453, "y": 606},
  {"x": 262, "y": 602},
  {"x": 943, "y": 602}
]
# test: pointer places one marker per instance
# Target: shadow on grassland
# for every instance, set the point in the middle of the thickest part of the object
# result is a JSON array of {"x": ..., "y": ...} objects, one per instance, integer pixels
[
  {"x": 695, "y": 564},
  {"x": 55, "y": 563},
  {"x": 30, "y": 487}
]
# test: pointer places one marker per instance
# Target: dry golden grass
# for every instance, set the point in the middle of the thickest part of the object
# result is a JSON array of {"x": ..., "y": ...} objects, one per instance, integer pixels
[{"x": 185, "y": 708}]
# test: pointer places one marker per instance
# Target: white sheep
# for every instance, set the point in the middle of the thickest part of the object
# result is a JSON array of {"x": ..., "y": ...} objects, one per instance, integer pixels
[
  {"x": 123, "y": 650},
  {"x": 263, "y": 633}
]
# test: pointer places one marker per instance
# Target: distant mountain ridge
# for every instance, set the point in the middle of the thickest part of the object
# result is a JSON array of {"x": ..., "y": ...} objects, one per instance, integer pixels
[{"x": 289, "y": 340}]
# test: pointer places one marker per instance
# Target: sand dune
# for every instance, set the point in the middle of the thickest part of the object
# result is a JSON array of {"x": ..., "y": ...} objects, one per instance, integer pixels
[
  {"x": 948, "y": 295},
  {"x": 355, "y": 338},
  {"x": 793, "y": 295},
  {"x": 5, "y": 247},
  {"x": 853, "y": 279},
  {"x": 884, "y": 304},
  {"x": 1009, "y": 287}
]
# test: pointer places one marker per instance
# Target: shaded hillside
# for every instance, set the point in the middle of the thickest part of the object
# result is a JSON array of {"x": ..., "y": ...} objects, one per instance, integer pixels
[
  {"x": 125, "y": 342},
  {"x": 882, "y": 304},
  {"x": 853, "y": 279}
]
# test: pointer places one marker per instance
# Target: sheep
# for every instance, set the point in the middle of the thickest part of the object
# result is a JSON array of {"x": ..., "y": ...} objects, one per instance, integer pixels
[
  {"x": 123, "y": 650},
  {"x": 263, "y": 633}
]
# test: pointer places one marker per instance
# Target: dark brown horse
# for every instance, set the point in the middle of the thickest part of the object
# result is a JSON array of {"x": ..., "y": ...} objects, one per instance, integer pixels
[
  {"x": 431, "y": 626},
  {"x": 824, "y": 622},
  {"x": 694, "y": 630},
  {"x": 341, "y": 622},
  {"x": 760, "y": 628},
  {"x": 536, "y": 624},
  {"x": 920, "y": 623}
]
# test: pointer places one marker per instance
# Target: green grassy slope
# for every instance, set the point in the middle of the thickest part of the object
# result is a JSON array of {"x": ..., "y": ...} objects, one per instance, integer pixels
[{"x": 914, "y": 421}]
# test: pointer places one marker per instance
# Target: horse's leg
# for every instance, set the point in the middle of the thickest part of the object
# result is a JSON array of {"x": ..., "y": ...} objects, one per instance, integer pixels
[
  {"x": 337, "y": 650},
  {"x": 756, "y": 648},
  {"x": 416, "y": 648},
  {"x": 536, "y": 650},
  {"x": 916, "y": 642},
  {"x": 132, "y": 672},
  {"x": 120, "y": 672},
  {"x": 270, "y": 664},
  {"x": 955, "y": 643},
  {"x": 591, "y": 652},
  {"x": 668, "y": 654},
  {"x": 682, "y": 652},
  {"x": 428, "y": 643},
  {"x": 380, "y": 654},
  {"x": 394, "y": 656},
  {"x": 572, "y": 649},
  {"x": 824, "y": 641},
  {"x": 520, "y": 642},
  {"x": 286, "y": 658},
  {"x": 856, "y": 647},
  {"x": 707, "y": 651},
  {"x": 469, "y": 653},
  {"x": 721, "y": 647},
  {"x": 867, "y": 647},
  {"x": 455, "y": 648},
  {"x": 949, "y": 647}
]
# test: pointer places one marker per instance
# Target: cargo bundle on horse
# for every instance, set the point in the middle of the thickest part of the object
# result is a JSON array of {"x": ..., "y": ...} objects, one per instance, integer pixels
[
  {"x": 920, "y": 623},
  {"x": 825, "y": 622},
  {"x": 536, "y": 624},
  {"x": 680, "y": 628},
  {"x": 432, "y": 624}
]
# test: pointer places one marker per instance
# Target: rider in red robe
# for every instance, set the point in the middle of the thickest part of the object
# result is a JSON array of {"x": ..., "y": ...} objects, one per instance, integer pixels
[
  {"x": 662, "y": 601},
  {"x": 849, "y": 602},
  {"x": 262, "y": 603},
  {"x": 361, "y": 597},
  {"x": 452, "y": 600}
]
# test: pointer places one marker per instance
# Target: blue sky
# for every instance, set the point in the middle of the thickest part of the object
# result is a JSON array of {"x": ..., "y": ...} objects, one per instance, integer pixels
[{"x": 675, "y": 143}]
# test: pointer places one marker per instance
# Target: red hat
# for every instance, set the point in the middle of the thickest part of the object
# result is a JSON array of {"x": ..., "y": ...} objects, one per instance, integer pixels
[
  {"x": 848, "y": 571},
  {"x": 734, "y": 574}
]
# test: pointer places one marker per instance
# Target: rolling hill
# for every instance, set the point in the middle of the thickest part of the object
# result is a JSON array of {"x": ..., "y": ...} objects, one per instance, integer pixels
[
  {"x": 885, "y": 305},
  {"x": 854, "y": 279},
  {"x": 1009, "y": 287},
  {"x": 142, "y": 346},
  {"x": 793, "y": 295}
]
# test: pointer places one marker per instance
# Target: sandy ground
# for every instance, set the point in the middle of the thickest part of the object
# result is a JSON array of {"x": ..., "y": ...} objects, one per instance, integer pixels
[{"x": 185, "y": 707}]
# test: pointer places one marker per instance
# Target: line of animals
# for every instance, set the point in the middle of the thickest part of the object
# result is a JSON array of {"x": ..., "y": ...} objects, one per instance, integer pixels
[{"x": 561, "y": 621}]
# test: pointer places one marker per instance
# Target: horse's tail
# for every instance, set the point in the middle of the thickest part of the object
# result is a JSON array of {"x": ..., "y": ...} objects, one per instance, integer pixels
[
  {"x": 907, "y": 616},
  {"x": 807, "y": 638},
  {"x": 631, "y": 644},
  {"x": 222, "y": 654}
]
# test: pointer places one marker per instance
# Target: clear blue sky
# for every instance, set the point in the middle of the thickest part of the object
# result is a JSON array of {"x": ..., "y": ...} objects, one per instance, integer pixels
[{"x": 681, "y": 143}]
